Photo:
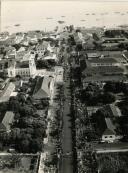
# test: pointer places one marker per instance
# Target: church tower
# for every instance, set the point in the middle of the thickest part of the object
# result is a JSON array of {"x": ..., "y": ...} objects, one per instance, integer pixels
[{"x": 32, "y": 66}]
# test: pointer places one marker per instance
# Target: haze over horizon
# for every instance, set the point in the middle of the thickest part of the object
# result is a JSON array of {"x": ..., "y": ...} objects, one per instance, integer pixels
[{"x": 44, "y": 15}]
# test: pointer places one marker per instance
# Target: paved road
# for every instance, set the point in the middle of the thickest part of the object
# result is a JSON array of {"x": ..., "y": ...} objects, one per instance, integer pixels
[{"x": 67, "y": 166}]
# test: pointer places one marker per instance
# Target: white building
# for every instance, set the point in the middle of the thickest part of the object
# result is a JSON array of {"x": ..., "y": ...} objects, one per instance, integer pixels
[{"x": 25, "y": 68}]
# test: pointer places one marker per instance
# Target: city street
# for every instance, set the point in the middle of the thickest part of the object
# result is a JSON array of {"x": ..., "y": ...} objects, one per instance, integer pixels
[{"x": 67, "y": 160}]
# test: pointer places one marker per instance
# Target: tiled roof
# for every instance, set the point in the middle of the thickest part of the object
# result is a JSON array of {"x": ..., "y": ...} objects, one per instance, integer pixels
[{"x": 42, "y": 88}]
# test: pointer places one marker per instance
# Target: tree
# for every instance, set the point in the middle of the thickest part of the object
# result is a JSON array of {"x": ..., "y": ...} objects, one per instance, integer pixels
[
  {"x": 108, "y": 98},
  {"x": 14, "y": 104},
  {"x": 21, "y": 98},
  {"x": 15, "y": 132},
  {"x": 24, "y": 146},
  {"x": 26, "y": 111},
  {"x": 36, "y": 145}
]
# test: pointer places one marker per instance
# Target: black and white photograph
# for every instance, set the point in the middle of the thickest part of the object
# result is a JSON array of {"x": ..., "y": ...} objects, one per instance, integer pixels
[{"x": 63, "y": 86}]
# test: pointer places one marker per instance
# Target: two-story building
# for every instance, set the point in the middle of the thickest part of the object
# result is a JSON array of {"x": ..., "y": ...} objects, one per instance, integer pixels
[{"x": 25, "y": 67}]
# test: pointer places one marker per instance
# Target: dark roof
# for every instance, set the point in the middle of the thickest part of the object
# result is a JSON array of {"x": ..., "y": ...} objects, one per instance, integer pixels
[
  {"x": 103, "y": 70},
  {"x": 100, "y": 78},
  {"x": 111, "y": 146},
  {"x": 102, "y": 60},
  {"x": 23, "y": 64},
  {"x": 114, "y": 39},
  {"x": 108, "y": 132}
]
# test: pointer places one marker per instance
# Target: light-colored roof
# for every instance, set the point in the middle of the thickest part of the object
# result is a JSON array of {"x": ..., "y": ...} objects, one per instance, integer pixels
[
  {"x": 110, "y": 129},
  {"x": 42, "y": 88},
  {"x": 93, "y": 54},
  {"x": 5, "y": 95},
  {"x": 53, "y": 57},
  {"x": 7, "y": 120}
]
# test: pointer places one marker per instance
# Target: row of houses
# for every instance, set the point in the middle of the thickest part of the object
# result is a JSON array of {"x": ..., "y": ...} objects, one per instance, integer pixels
[{"x": 103, "y": 68}]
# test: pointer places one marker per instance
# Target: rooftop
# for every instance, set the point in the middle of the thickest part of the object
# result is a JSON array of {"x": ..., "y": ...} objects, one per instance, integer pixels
[
  {"x": 102, "y": 60},
  {"x": 112, "y": 110},
  {"x": 100, "y": 78},
  {"x": 6, "y": 121},
  {"x": 5, "y": 95},
  {"x": 114, "y": 38},
  {"x": 23, "y": 64},
  {"x": 42, "y": 88},
  {"x": 103, "y": 70},
  {"x": 110, "y": 127}
]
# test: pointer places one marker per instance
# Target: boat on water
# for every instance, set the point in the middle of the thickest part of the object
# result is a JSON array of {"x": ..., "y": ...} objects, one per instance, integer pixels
[
  {"x": 82, "y": 20},
  {"x": 87, "y": 14},
  {"x": 93, "y": 14},
  {"x": 61, "y": 21},
  {"x": 17, "y": 25},
  {"x": 62, "y": 16}
]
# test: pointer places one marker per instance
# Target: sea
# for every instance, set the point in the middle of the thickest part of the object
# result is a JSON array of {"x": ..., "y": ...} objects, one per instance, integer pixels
[{"x": 22, "y": 16}]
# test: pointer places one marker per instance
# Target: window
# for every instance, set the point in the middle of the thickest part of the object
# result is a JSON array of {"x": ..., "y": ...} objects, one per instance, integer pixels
[
  {"x": 105, "y": 137},
  {"x": 110, "y": 136}
]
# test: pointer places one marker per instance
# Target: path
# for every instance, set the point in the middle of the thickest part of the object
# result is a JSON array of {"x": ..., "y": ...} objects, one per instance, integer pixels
[{"x": 67, "y": 165}]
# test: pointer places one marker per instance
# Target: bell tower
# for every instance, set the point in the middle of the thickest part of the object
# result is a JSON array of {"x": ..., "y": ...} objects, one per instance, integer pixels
[{"x": 32, "y": 66}]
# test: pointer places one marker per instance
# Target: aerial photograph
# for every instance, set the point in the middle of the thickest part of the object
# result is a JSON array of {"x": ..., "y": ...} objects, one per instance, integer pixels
[{"x": 63, "y": 86}]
